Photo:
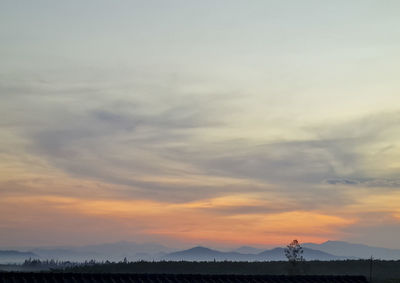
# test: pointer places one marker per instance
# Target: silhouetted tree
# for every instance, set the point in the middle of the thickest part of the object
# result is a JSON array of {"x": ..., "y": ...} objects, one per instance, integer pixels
[{"x": 294, "y": 254}]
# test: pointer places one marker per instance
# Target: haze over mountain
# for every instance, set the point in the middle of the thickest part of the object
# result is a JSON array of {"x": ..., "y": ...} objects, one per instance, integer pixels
[
  {"x": 248, "y": 250},
  {"x": 10, "y": 256},
  {"x": 108, "y": 251},
  {"x": 356, "y": 250},
  {"x": 276, "y": 254},
  {"x": 330, "y": 250},
  {"x": 204, "y": 254}
]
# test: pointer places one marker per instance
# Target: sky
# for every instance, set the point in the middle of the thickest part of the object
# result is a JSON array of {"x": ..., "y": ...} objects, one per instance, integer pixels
[{"x": 220, "y": 123}]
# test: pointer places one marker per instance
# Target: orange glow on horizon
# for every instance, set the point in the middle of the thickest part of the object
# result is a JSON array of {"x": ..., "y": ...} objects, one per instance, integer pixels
[{"x": 192, "y": 221}]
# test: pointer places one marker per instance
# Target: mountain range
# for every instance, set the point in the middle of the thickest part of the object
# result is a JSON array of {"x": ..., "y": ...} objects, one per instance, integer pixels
[
  {"x": 357, "y": 250},
  {"x": 276, "y": 254},
  {"x": 330, "y": 250}
]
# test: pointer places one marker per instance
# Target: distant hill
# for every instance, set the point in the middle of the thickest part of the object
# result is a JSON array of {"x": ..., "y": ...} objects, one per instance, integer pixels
[
  {"x": 130, "y": 250},
  {"x": 330, "y": 250},
  {"x": 355, "y": 250},
  {"x": 10, "y": 256},
  {"x": 276, "y": 254},
  {"x": 8, "y": 253},
  {"x": 204, "y": 254},
  {"x": 108, "y": 251},
  {"x": 248, "y": 250},
  {"x": 65, "y": 254}
]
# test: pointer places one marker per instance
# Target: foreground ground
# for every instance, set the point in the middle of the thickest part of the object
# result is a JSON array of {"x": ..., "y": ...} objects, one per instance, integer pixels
[{"x": 382, "y": 271}]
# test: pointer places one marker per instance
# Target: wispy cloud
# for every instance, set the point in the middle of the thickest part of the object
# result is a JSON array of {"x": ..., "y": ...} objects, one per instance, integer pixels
[{"x": 173, "y": 148}]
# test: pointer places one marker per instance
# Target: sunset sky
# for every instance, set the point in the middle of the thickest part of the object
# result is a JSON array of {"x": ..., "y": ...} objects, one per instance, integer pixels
[{"x": 220, "y": 123}]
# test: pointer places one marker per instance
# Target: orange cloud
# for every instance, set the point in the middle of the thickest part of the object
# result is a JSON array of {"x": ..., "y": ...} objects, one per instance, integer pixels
[
  {"x": 191, "y": 221},
  {"x": 373, "y": 202}
]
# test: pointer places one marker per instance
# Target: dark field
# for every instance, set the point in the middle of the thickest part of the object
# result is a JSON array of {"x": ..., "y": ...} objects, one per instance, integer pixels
[{"x": 382, "y": 271}]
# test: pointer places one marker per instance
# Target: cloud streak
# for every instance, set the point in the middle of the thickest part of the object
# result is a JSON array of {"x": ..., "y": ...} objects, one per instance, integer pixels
[{"x": 173, "y": 149}]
